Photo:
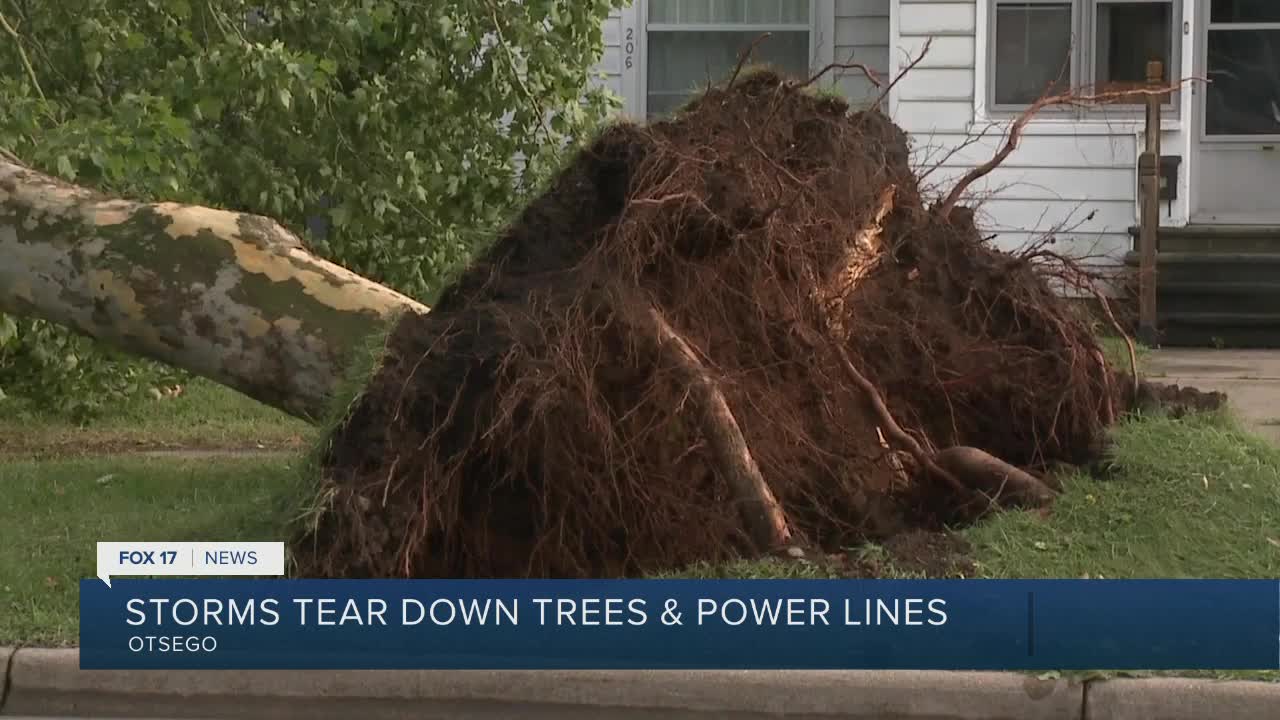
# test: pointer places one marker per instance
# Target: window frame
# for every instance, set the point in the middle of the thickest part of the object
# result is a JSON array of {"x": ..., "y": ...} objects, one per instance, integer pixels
[
  {"x": 1202, "y": 107},
  {"x": 1084, "y": 26},
  {"x": 1073, "y": 77},
  {"x": 820, "y": 11}
]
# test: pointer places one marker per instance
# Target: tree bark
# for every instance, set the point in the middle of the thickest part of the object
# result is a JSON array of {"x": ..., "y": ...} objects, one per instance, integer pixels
[{"x": 233, "y": 297}]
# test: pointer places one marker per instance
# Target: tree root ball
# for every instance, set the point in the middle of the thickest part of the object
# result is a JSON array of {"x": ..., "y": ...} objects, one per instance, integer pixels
[{"x": 528, "y": 426}]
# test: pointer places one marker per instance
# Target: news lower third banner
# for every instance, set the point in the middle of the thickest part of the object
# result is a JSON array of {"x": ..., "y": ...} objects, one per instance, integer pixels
[{"x": 680, "y": 624}]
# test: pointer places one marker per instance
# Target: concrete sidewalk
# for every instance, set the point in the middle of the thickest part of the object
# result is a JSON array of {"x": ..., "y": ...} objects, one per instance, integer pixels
[
  {"x": 44, "y": 683},
  {"x": 1250, "y": 378}
]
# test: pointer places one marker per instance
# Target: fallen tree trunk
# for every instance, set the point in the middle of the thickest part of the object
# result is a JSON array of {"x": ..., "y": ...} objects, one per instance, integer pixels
[{"x": 229, "y": 296}]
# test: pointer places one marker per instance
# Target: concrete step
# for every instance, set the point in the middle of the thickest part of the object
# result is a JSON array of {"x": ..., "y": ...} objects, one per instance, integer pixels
[
  {"x": 1219, "y": 244},
  {"x": 1217, "y": 239},
  {"x": 1193, "y": 267},
  {"x": 1217, "y": 296},
  {"x": 1220, "y": 329}
]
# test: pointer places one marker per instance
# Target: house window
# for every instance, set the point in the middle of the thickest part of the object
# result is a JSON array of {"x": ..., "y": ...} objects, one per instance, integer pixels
[
  {"x": 693, "y": 43},
  {"x": 1243, "y": 67},
  {"x": 1049, "y": 46},
  {"x": 1032, "y": 50},
  {"x": 1127, "y": 35}
]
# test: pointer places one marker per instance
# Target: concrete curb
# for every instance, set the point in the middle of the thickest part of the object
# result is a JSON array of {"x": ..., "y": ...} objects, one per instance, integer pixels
[
  {"x": 1182, "y": 699},
  {"x": 49, "y": 682},
  {"x": 5, "y": 654}
]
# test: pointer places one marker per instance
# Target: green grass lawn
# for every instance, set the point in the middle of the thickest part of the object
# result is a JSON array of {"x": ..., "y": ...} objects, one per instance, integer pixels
[
  {"x": 1192, "y": 498},
  {"x": 54, "y": 512},
  {"x": 1197, "y": 497},
  {"x": 205, "y": 415}
]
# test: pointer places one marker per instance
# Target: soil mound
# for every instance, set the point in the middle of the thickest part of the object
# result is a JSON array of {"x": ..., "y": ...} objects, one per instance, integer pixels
[
  {"x": 1176, "y": 401},
  {"x": 690, "y": 303}
]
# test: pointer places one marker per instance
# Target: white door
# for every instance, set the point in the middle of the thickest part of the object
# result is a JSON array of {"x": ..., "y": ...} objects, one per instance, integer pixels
[{"x": 1238, "y": 176}]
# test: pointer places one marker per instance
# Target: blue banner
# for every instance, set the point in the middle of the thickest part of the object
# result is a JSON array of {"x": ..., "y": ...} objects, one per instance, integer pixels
[{"x": 681, "y": 624}]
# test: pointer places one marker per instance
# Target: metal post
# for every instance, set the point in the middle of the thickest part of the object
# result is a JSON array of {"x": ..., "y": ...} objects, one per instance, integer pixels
[{"x": 1149, "y": 217}]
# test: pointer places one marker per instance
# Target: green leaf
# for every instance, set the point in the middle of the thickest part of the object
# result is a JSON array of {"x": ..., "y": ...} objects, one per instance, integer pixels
[
  {"x": 8, "y": 330},
  {"x": 286, "y": 97},
  {"x": 340, "y": 215},
  {"x": 210, "y": 107},
  {"x": 65, "y": 168}
]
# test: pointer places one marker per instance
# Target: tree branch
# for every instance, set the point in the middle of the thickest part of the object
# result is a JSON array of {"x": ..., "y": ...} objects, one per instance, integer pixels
[
  {"x": 742, "y": 58},
  {"x": 22, "y": 54},
  {"x": 1019, "y": 124},
  {"x": 872, "y": 75},
  {"x": 910, "y": 66}
]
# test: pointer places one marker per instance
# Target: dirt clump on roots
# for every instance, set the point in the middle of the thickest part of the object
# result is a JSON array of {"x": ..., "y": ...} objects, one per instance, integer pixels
[
  {"x": 1176, "y": 401},
  {"x": 571, "y": 406}
]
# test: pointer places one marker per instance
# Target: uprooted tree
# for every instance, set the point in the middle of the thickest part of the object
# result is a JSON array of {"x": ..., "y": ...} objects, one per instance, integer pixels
[
  {"x": 747, "y": 307},
  {"x": 741, "y": 329}
]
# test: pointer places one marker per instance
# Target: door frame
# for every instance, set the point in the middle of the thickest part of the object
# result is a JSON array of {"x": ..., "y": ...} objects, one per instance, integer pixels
[{"x": 1209, "y": 147}]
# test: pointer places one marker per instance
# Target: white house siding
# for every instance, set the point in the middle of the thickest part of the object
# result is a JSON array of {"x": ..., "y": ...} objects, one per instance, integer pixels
[
  {"x": 1075, "y": 177},
  {"x": 610, "y": 65},
  {"x": 845, "y": 31},
  {"x": 861, "y": 36}
]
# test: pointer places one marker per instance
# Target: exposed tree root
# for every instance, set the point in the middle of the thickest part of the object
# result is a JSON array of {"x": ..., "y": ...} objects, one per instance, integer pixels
[
  {"x": 895, "y": 431},
  {"x": 760, "y": 510},
  {"x": 1003, "y": 483}
]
